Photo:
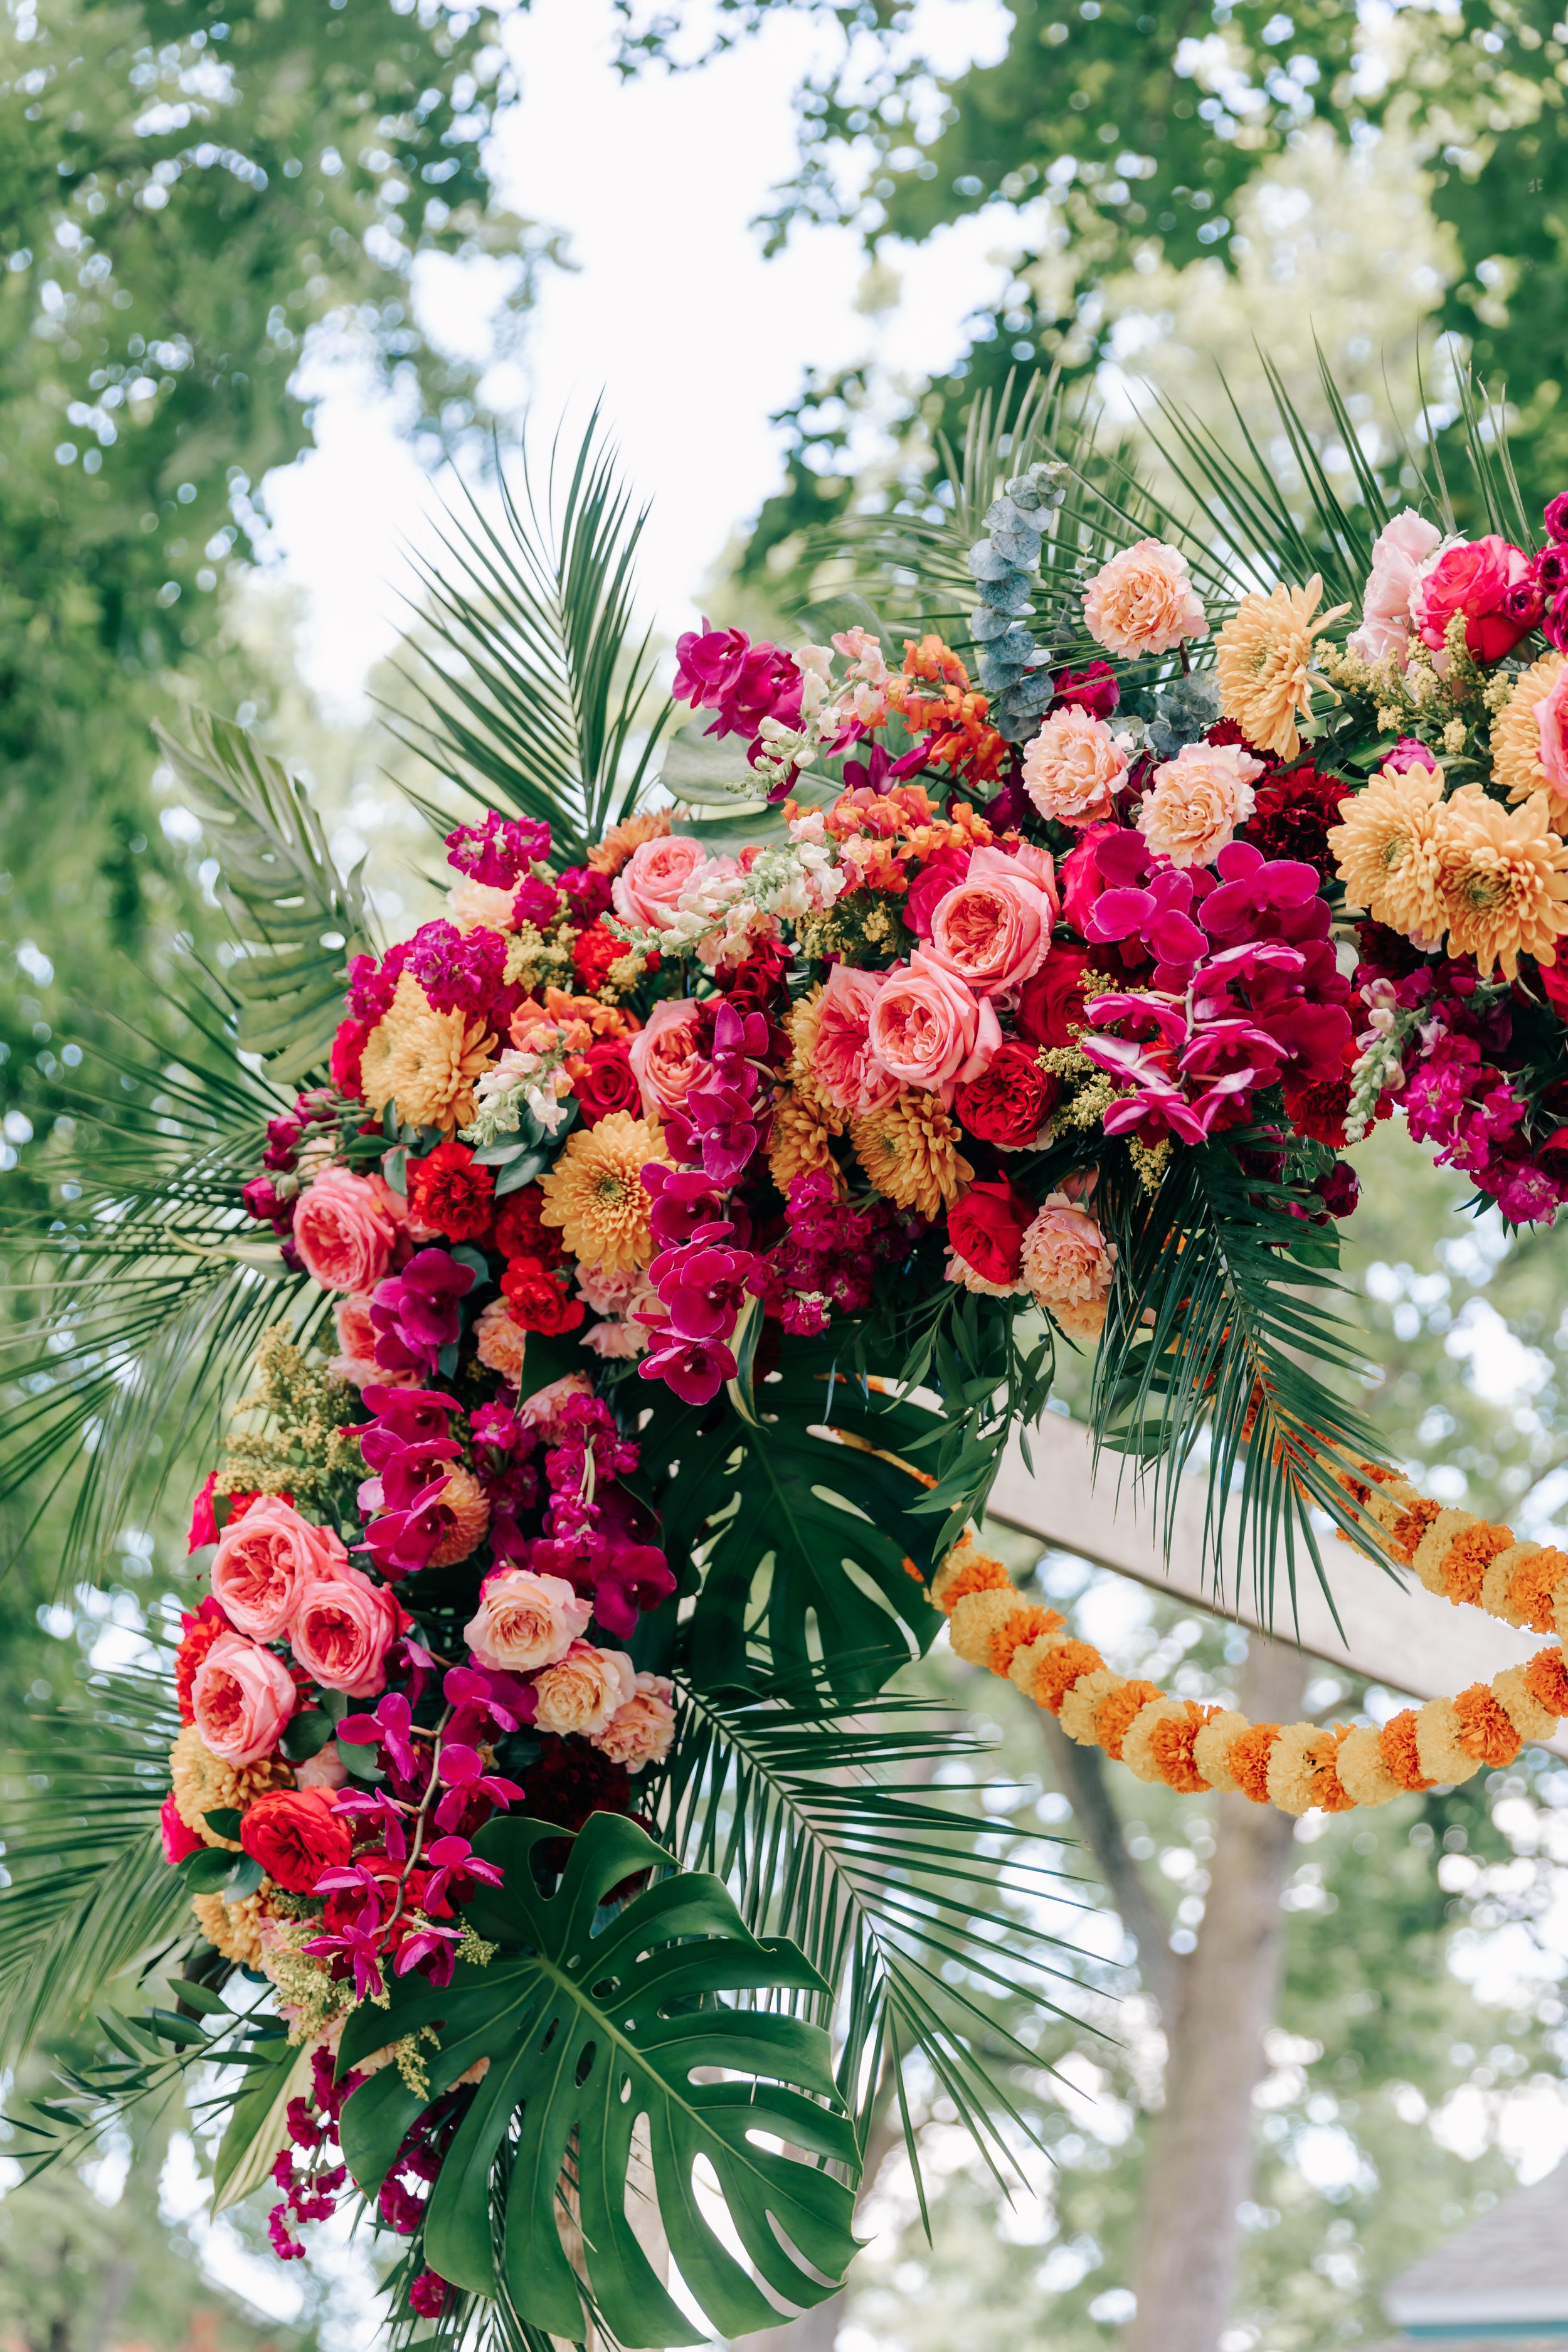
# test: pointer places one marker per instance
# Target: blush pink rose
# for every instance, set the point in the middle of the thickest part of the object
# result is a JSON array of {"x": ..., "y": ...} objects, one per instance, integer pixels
[
  {"x": 664, "y": 1057},
  {"x": 343, "y": 1232},
  {"x": 1196, "y": 801},
  {"x": 241, "y": 1698},
  {"x": 994, "y": 928},
  {"x": 584, "y": 1691},
  {"x": 1472, "y": 577},
  {"x": 842, "y": 1061},
  {"x": 525, "y": 1621},
  {"x": 1398, "y": 551},
  {"x": 927, "y": 1029},
  {"x": 324, "y": 1770},
  {"x": 1144, "y": 601},
  {"x": 342, "y": 1630},
  {"x": 641, "y": 1731},
  {"x": 1552, "y": 720},
  {"x": 356, "y": 1359},
  {"x": 1068, "y": 1265},
  {"x": 647, "y": 889},
  {"x": 264, "y": 1563},
  {"x": 1073, "y": 767}
]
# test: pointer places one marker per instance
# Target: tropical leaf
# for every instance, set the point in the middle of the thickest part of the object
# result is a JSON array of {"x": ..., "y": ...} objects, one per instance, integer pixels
[{"x": 594, "y": 2021}]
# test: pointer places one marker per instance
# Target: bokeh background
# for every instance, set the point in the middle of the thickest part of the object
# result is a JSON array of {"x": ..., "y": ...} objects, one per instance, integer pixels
[{"x": 277, "y": 282}]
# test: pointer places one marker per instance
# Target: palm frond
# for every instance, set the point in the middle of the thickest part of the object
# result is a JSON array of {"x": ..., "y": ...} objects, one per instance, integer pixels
[{"x": 539, "y": 697}]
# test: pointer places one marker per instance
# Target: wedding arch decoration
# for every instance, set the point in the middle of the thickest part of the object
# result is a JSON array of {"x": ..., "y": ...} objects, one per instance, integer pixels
[{"x": 596, "y": 1317}]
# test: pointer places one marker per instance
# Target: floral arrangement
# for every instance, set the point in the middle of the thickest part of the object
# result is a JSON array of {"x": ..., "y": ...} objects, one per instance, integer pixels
[{"x": 675, "y": 1229}]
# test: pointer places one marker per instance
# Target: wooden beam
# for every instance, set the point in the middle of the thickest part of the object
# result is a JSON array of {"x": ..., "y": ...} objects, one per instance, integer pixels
[{"x": 1394, "y": 1632}]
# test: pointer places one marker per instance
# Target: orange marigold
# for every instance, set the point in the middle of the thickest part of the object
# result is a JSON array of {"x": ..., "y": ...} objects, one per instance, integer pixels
[
  {"x": 1026, "y": 1624},
  {"x": 1114, "y": 1719},
  {"x": 1332, "y": 1794},
  {"x": 1546, "y": 1680},
  {"x": 978, "y": 1572},
  {"x": 1056, "y": 1678},
  {"x": 1171, "y": 1747},
  {"x": 1397, "y": 1744},
  {"x": 1532, "y": 1587},
  {"x": 1249, "y": 1760},
  {"x": 1485, "y": 1731},
  {"x": 1468, "y": 1559},
  {"x": 1408, "y": 1529}
]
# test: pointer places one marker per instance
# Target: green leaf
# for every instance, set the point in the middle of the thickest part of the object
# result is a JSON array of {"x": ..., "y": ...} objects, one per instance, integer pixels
[
  {"x": 593, "y": 2019},
  {"x": 225, "y": 1820},
  {"x": 257, "y": 2127}
]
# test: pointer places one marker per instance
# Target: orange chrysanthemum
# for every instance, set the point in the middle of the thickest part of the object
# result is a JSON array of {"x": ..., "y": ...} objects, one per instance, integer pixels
[
  {"x": 1249, "y": 1760},
  {"x": 1546, "y": 1680},
  {"x": 1532, "y": 1587},
  {"x": 618, "y": 843},
  {"x": 1386, "y": 849},
  {"x": 595, "y": 1194},
  {"x": 1115, "y": 1716},
  {"x": 1468, "y": 1559},
  {"x": 1056, "y": 1676},
  {"x": 1503, "y": 878},
  {"x": 909, "y": 1148}
]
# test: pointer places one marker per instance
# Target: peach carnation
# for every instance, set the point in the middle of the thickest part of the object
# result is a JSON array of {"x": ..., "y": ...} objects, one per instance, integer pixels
[
  {"x": 1502, "y": 880},
  {"x": 1144, "y": 601},
  {"x": 1068, "y": 1266},
  {"x": 1196, "y": 801},
  {"x": 1264, "y": 662},
  {"x": 525, "y": 1621},
  {"x": 356, "y": 1359},
  {"x": 499, "y": 1342},
  {"x": 1386, "y": 848},
  {"x": 480, "y": 905},
  {"x": 640, "y": 1732},
  {"x": 596, "y": 1195},
  {"x": 585, "y": 1690},
  {"x": 1073, "y": 767}
]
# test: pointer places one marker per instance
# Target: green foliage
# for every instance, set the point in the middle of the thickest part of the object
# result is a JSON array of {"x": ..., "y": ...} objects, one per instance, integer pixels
[{"x": 592, "y": 2024}]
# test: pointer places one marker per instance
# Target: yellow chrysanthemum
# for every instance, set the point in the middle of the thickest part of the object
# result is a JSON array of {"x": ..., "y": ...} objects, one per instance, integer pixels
[
  {"x": 428, "y": 1062},
  {"x": 909, "y": 1148},
  {"x": 1503, "y": 881},
  {"x": 630, "y": 833},
  {"x": 1263, "y": 658},
  {"x": 233, "y": 1928},
  {"x": 803, "y": 1026},
  {"x": 1386, "y": 848},
  {"x": 801, "y": 1138},
  {"x": 594, "y": 1192},
  {"x": 205, "y": 1783},
  {"x": 1516, "y": 736}
]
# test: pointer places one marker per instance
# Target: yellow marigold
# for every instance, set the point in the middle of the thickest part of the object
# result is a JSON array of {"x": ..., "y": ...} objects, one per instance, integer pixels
[
  {"x": 1525, "y": 730},
  {"x": 1264, "y": 661},
  {"x": 1385, "y": 846},
  {"x": 428, "y": 1063},
  {"x": 909, "y": 1148},
  {"x": 233, "y": 1928},
  {"x": 594, "y": 1192},
  {"x": 801, "y": 1138},
  {"x": 630, "y": 833},
  {"x": 205, "y": 1783},
  {"x": 1502, "y": 879}
]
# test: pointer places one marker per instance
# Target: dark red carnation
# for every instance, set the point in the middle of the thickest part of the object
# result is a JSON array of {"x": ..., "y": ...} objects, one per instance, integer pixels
[
  {"x": 539, "y": 1298},
  {"x": 1051, "y": 1006},
  {"x": 1011, "y": 1101},
  {"x": 449, "y": 1194},
  {"x": 602, "y": 1081},
  {"x": 1318, "y": 1108},
  {"x": 295, "y": 1834},
  {"x": 520, "y": 1231},
  {"x": 568, "y": 1780},
  {"x": 1226, "y": 730},
  {"x": 1291, "y": 815},
  {"x": 986, "y": 1228}
]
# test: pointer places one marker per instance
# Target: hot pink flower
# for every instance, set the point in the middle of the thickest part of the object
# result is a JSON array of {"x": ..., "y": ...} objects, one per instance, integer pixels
[
  {"x": 1400, "y": 549},
  {"x": 177, "y": 1840},
  {"x": 1552, "y": 719},
  {"x": 343, "y": 1232},
  {"x": 641, "y": 1731},
  {"x": 264, "y": 1563},
  {"x": 927, "y": 1029},
  {"x": 1473, "y": 577},
  {"x": 525, "y": 1621},
  {"x": 584, "y": 1689},
  {"x": 663, "y": 1057},
  {"x": 842, "y": 1061},
  {"x": 994, "y": 928},
  {"x": 647, "y": 888},
  {"x": 241, "y": 1698},
  {"x": 343, "y": 1631}
]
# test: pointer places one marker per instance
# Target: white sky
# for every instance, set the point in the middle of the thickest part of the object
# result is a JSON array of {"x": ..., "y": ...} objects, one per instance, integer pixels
[{"x": 670, "y": 311}]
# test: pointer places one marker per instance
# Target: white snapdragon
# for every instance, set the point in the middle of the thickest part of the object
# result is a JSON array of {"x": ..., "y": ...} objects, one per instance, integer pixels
[{"x": 518, "y": 1082}]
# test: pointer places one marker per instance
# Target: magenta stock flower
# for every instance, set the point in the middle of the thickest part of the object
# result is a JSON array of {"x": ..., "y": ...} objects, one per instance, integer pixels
[
  {"x": 497, "y": 851},
  {"x": 461, "y": 972}
]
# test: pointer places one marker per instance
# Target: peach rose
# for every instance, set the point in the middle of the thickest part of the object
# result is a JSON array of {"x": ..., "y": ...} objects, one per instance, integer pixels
[
  {"x": 1067, "y": 1265},
  {"x": 664, "y": 1057},
  {"x": 525, "y": 1621},
  {"x": 584, "y": 1691},
  {"x": 264, "y": 1563},
  {"x": 324, "y": 1770},
  {"x": 1196, "y": 801},
  {"x": 500, "y": 1342},
  {"x": 927, "y": 1029},
  {"x": 842, "y": 1062},
  {"x": 1072, "y": 768},
  {"x": 1552, "y": 720},
  {"x": 241, "y": 1698},
  {"x": 355, "y": 1358},
  {"x": 1398, "y": 551},
  {"x": 994, "y": 928},
  {"x": 1142, "y": 601},
  {"x": 343, "y": 1631},
  {"x": 641, "y": 1731},
  {"x": 343, "y": 1232},
  {"x": 480, "y": 905},
  {"x": 647, "y": 891}
]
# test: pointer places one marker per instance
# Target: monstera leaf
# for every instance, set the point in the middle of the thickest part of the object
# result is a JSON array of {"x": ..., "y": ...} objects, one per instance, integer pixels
[{"x": 591, "y": 2020}]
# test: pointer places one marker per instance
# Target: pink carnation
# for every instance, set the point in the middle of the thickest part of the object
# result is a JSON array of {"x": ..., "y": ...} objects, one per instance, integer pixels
[
  {"x": 1143, "y": 602},
  {"x": 1399, "y": 550},
  {"x": 1073, "y": 767},
  {"x": 343, "y": 1232},
  {"x": 663, "y": 1057},
  {"x": 1196, "y": 801},
  {"x": 649, "y": 887},
  {"x": 992, "y": 928},
  {"x": 640, "y": 1732},
  {"x": 264, "y": 1563},
  {"x": 241, "y": 1698},
  {"x": 525, "y": 1621},
  {"x": 585, "y": 1690},
  {"x": 343, "y": 1631},
  {"x": 842, "y": 1061},
  {"x": 927, "y": 1029}
]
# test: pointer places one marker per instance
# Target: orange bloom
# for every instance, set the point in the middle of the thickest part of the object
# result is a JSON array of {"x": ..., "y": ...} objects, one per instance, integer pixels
[
  {"x": 1114, "y": 1718},
  {"x": 1396, "y": 1741},
  {"x": 1485, "y": 1731},
  {"x": 1249, "y": 1760},
  {"x": 1468, "y": 1559}
]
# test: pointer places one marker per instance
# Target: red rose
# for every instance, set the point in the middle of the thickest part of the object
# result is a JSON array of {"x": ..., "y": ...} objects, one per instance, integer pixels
[
  {"x": 987, "y": 1227},
  {"x": 449, "y": 1195},
  {"x": 294, "y": 1834},
  {"x": 602, "y": 1081},
  {"x": 1009, "y": 1104},
  {"x": 1050, "y": 1005},
  {"x": 521, "y": 1233},
  {"x": 538, "y": 1297}
]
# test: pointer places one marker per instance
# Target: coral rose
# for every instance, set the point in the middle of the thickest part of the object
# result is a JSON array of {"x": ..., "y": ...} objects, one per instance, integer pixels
[
  {"x": 1144, "y": 601},
  {"x": 356, "y": 1359},
  {"x": 1073, "y": 767},
  {"x": 345, "y": 1231},
  {"x": 640, "y": 1732},
  {"x": 992, "y": 928},
  {"x": 264, "y": 1562},
  {"x": 1196, "y": 801},
  {"x": 342, "y": 1630},
  {"x": 1399, "y": 550},
  {"x": 583, "y": 1690},
  {"x": 241, "y": 1698},
  {"x": 928, "y": 1030},
  {"x": 663, "y": 1057},
  {"x": 647, "y": 889},
  {"x": 842, "y": 1061},
  {"x": 1472, "y": 577},
  {"x": 295, "y": 1835},
  {"x": 1068, "y": 1265},
  {"x": 525, "y": 1621}
]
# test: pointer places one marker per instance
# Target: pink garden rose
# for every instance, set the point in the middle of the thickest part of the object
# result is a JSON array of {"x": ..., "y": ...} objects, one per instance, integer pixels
[
  {"x": 1196, "y": 801},
  {"x": 264, "y": 1563},
  {"x": 344, "y": 1231},
  {"x": 1143, "y": 602},
  {"x": 641, "y": 1731},
  {"x": 842, "y": 1061},
  {"x": 1398, "y": 551},
  {"x": 325, "y": 1768},
  {"x": 342, "y": 1630},
  {"x": 1552, "y": 720},
  {"x": 992, "y": 930},
  {"x": 663, "y": 1057},
  {"x": 1073, "y": 767},
  {"x": 647, "y": 888},
  {"x": 241, "y": 1698},
  {"x": 927, "y": 1029},
  {"x": 1473, "y": 577},
  {"x": 584, "y": 1691},
  {"x": 525, "y": 1621}
]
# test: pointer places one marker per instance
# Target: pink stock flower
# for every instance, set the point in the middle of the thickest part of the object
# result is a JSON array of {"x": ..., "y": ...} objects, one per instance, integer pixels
[
  {"x": 241, "y": 1698},
  {"x": 842, "y": 1061},
  {"x": 1400, "y": 549},
  {"x": 994, "y": 928},
  {"x": 928, "y": 1030},
  {"x": 663, "y": 1057},
  {"x": 640, "y": 1732},
  {"x": 647, "y": 888},
  {"x": 343, "y": 1631},
  {"x": 583, "y": 1690},
  {"x": 1472, "y": 577},
  {"x": 265, "y": 1561},
  {"x": 343, "y": 1232},
  {"x": 525, "y": 1621}
]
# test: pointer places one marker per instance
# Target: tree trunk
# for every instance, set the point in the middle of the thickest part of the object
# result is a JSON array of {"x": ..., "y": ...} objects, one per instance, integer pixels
[{"x": 1200, "y": 2160}]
